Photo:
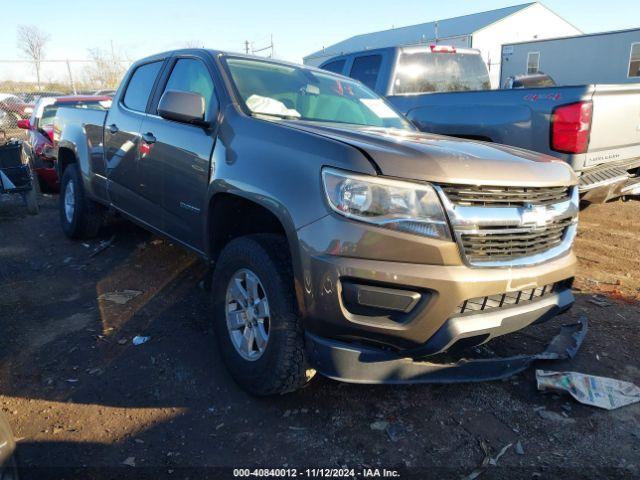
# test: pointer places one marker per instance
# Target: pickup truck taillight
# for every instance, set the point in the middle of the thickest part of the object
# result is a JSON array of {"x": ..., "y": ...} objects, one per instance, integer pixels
[{"x": 570, "y": 127}]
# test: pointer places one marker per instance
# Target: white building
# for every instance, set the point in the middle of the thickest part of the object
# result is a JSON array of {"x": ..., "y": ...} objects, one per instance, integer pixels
[
  {"x": 485, "y": 31},
  {"x": 607, "y": 57}
]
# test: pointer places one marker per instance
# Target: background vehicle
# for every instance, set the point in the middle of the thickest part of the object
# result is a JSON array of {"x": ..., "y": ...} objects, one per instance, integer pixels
[
  {"x": 594, "y": 128},
  {"x": 38, "y": 147},
  {"x": 108, "y": 92},
  {"x": 33, "y": 97},
  {"x": 16, "y": 177},
  {"x": 8, "y": 468},
  {"x": 335, "y": 227},
  {"x": 534, "y": 80},
  {"x": 14, "y": 109}
]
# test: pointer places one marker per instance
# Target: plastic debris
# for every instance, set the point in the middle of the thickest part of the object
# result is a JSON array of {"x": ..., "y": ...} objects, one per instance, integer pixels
[
  {"x": 518, "y": 448},
  {"x": 380, "y": 425},
  {"x": 494, "y": 461},
  {"x": 395, "y": 431},
  {"x": 130, "y": 461},
  {"x": 602, "y": 392},
  {"x": 600, "y": 301},
  {"x": 102, "y": 246},
  {"x": 488, "y": 460},
  {"x": 120, "y": 297},
  {"x": 139, "y": 340},
  {"x": 555, "y": 417}
]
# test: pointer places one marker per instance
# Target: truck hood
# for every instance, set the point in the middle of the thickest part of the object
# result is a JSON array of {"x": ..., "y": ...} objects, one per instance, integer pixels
[{"x": 435, "y": 158}]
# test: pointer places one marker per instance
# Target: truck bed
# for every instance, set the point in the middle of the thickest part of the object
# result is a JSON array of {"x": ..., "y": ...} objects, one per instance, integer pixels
[{"x": 522, "y": 118}]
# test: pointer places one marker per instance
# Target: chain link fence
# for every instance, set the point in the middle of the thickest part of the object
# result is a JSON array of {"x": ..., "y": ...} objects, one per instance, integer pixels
[{"x": 20, "y": 89}]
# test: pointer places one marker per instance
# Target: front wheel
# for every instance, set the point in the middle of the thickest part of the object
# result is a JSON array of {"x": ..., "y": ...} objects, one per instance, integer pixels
[
  {"x": 256, "y": 321},
  {"x": 80, "y": 216}
]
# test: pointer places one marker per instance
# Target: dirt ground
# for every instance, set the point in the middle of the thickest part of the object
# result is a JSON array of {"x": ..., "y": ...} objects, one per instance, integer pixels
[{"x": 84, "y": 402}]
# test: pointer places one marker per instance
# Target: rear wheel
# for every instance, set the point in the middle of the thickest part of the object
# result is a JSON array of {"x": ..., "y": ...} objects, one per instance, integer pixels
[
  {"x": 80, "y": 216},
  {"x": 256, "y": 321}
]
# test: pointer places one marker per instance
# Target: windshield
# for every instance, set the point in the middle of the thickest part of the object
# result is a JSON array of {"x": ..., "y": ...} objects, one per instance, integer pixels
[
  {"x": 285, "y": 91},
  {"x": 424, "y": 72}
]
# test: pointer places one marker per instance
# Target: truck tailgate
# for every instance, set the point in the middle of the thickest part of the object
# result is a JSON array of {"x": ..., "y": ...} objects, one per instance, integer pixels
[{"x": 615, "y": 128}]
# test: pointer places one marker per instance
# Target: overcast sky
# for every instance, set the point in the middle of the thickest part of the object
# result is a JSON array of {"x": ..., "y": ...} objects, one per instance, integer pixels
[{"x": 299, "y": 27}]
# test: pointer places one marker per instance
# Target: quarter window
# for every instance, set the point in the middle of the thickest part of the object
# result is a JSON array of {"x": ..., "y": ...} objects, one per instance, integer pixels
[
  {"x": 634, "y": 60},
  {"x": 336, "y": 66},
  {"x": 140, "y": 86},
  {"x": 533, "y": 62},
  {"x": 191, "y": 75},
  {"x": 366, "y": 69}
]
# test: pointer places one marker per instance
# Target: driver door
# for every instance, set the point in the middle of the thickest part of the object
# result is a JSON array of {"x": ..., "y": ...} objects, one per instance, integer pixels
[{"x": 176, "y": 156}]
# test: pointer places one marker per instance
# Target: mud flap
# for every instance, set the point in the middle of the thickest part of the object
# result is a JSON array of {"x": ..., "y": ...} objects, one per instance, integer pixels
[{"x": 358, "y": 364}]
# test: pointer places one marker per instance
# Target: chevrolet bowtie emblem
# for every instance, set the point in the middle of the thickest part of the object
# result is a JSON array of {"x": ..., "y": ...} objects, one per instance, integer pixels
[{"x": 536, "y": 215}]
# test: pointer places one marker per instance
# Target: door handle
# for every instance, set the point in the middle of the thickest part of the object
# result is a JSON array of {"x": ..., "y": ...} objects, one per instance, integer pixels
[
  {"x": 113, "y": 129},
  {"x": 149, "y": 138}
]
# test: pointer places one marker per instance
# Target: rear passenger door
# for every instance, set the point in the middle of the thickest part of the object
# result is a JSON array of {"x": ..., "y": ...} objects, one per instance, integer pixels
[
  {"x": 122, "y": 143},
  {"x": 177, "y": 155}
]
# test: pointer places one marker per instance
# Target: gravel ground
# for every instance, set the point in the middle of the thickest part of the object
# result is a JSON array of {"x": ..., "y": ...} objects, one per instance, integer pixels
[{"x": 80, "y": 395}]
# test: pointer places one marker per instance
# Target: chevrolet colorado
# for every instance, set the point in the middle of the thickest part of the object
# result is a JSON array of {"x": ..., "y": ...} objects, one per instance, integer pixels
[
  {"x": 333, "y": 225},
  {"x": 446, "y": 90}
]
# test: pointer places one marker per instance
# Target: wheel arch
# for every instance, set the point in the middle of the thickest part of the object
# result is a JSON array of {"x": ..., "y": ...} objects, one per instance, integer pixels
[{"x": 231, "y": 215}]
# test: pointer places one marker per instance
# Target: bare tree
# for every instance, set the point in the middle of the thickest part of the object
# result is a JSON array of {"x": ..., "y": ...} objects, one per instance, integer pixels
[
  {"x": 106, "y": 68},
  {"x": 32, "y": 42}
]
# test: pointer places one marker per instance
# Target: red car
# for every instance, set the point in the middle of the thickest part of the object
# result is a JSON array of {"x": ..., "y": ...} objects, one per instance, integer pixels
[{"x": 38, "y": 147}]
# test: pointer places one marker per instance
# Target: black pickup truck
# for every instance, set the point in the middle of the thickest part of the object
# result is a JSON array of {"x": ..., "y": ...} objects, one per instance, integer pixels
[{"x": 342, "y": 238}]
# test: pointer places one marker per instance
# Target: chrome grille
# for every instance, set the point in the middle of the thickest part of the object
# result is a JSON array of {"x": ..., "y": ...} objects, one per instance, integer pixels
[
  {"x": 507, "y": 243},
  {"x": 501, "y": 300},
  {"x": 504, "y": 196},
  {"x": 511, "y": 226}
]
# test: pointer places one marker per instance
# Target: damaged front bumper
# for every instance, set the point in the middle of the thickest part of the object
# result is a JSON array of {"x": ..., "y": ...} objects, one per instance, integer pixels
[{"x": 360, "y": 364}]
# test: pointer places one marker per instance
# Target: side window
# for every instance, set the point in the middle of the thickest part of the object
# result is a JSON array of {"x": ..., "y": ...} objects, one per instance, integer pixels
[
  {"x": 336, "y": 66},
  {"x": 191, "y": 75},
  {"x": 634, "y": 60},
  {"x": 366, "y": 69},
  {"x": 533, "y": 62},
  {"x": 140, "y": 86}
]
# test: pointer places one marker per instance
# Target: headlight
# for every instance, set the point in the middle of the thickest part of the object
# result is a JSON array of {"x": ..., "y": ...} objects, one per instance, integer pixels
[{"x": 404, "y": 206}]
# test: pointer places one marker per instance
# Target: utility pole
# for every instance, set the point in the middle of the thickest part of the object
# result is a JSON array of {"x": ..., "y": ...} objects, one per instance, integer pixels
[
  {"x": 73, "y": 85},
  {"x": 268, "y": 47},
  {"x": 246, "y": 47}
]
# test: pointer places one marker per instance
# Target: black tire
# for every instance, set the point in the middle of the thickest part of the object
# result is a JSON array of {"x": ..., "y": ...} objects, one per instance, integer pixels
[
  {"x": 282, "y": 367},
  {"x": 87, "y": 216}
]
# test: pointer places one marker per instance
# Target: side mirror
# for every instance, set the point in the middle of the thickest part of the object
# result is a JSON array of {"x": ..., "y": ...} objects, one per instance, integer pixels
[
  {"x": 187, "y": 107},
  {"x": 24, "y": 124}
]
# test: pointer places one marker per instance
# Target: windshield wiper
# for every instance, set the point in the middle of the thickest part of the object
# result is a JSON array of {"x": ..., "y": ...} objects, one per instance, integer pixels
[{"x": 277, "y": 115}]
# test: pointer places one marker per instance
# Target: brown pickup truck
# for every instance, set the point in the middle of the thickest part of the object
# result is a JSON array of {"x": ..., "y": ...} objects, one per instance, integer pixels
[{"x": 342, "y": 238}]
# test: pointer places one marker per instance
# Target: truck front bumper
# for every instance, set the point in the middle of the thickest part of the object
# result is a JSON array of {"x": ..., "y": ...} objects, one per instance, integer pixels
[
  {"x": 415, "y": 310},
  {"x": 359, "y": 364}
]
